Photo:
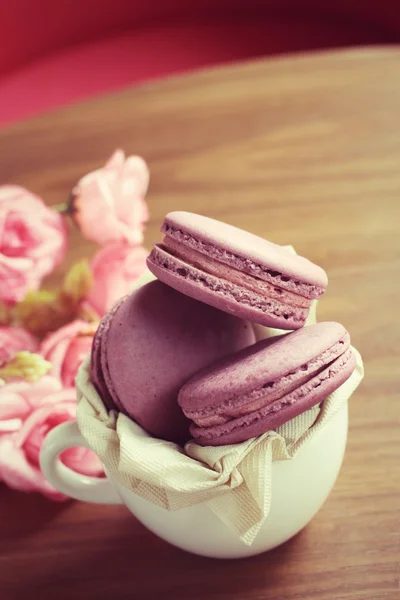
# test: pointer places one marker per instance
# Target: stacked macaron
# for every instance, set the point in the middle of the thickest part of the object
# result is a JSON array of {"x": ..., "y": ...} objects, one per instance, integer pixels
[
  {"x": 179, "y": 355},
  {"x": 147, "y": 347},
  {"x": 236, "y": 271}
]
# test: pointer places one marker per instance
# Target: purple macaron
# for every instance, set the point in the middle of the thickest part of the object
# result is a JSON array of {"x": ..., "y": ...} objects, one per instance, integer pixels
[
  {"x": 264, "y": 386},
  {"x": 149, "y": 344},
  {"x": 236, "y": 271}
]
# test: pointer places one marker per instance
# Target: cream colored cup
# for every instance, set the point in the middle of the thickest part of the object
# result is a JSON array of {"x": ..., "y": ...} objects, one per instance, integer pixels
[{"x": 300, "y": 486}]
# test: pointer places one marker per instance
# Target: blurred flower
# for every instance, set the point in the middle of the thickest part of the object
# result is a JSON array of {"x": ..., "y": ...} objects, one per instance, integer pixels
[
  {"x": 48, "y": 310},
  {"x": 67, "y": 348},
  {"x": 108, "y": 204},
  {"x": 27, "y": 413},
  {"x": 13, "y": 340},
  {"x": 115, "y": 269},
  {"x": 44, "y": 311},
  {"x": 33, "y": 241},
  {"x": 5, "y": 314},
  {"x": 37, "y": 378},
  {"x": 25, "y": 365}
]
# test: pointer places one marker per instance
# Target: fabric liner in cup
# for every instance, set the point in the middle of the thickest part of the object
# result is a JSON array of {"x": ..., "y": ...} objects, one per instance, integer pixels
[{"x": 235, "y": 480}]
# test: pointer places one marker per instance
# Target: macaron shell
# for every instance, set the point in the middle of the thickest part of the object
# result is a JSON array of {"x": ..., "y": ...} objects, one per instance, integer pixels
[
  {"x": 155, "y": 341},
  {"x": 99, "y": 377},
  {"x": 238, "y": 242},
  {"x": 224, "y": 300},
  {"x": 265, "y": 362},
  {"x": 312, "y": 393},
  {"x": 267, "y": 394}
]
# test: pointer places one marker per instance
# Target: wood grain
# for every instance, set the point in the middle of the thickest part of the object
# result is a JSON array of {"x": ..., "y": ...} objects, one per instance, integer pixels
[{"x": 301, "y": 150}]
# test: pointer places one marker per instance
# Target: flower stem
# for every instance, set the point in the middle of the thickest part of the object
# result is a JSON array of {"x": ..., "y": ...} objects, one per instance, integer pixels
[{"x": 62, "y": 208}]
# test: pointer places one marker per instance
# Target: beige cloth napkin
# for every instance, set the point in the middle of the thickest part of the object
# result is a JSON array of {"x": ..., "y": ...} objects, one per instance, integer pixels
[{"x": 234, "y": 480}]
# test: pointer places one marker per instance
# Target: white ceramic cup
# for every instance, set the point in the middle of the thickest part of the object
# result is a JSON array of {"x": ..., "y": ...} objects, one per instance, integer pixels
[{"x": 299, "y": 488}]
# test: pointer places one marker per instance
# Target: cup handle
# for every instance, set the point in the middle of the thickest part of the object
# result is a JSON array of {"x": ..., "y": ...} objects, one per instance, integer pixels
[{"x": 81, "y": 487}]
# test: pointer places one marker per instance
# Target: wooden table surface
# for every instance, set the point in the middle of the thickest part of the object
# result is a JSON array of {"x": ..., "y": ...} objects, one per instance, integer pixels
[{"x": 301, "y": 150}]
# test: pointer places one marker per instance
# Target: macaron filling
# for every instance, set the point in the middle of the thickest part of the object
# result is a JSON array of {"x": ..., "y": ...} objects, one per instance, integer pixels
[
  {"x": 240, "y": 263},
  {"x": 339, "y": 369},
  {"x": 214, "y": 267},
  {"x": 271, "y": 391}
]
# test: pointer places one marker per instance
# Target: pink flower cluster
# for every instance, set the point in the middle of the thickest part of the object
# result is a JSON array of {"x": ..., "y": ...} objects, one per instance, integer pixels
[
  {"x": 109, "y": 208},
  {"x": 33, "y": 241},
  {"x": 28, "y": 411}
]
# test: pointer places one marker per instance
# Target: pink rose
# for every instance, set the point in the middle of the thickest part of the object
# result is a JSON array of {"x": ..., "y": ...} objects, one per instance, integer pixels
[
  {"x": 32, "y": 242},
  {"x": 67, "y": 348},
  {"x": 115, "y": 269},
  {"x": 28, "y": 411},
  {"x": 15, "y": 339},
  {"x": 108, "y": 204}
]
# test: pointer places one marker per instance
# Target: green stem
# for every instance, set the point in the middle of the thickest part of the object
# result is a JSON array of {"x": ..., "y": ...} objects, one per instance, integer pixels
[{"x": 62, "y": 208}]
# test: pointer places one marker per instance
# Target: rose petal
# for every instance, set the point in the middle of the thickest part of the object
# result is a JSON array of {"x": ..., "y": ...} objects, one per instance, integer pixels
[
  {"x": 136, "y": 169},
  {"x": 83, "y": 460},
  {"x": 59, "y": 411},
  {"x": 35, "y": 393},
  {"x": 109, "y": 203},
  {"x": 19, "y": 474},
  {"x": 33, "y": 242},
  {"x": 12, "y": 405},
  {"x": 10, "y": 425},
  {"x": 78, "y": 349},
  {"x": 116, "y": 160},
  {"x": 16, "y": 272},
  {"x": 67, "y": 332},
  {"x": 115, "y": 269},
  {"x": 15, "y": 339},
  {"x": 55, "y": 348}
]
